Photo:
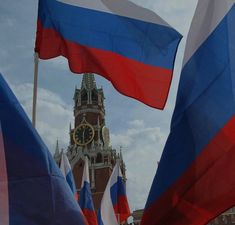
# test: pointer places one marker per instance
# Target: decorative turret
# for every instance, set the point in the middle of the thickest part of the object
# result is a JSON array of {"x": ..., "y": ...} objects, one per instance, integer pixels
[
  {"x": 122, "y": 164},
  {"x": 57, "y": 154}
]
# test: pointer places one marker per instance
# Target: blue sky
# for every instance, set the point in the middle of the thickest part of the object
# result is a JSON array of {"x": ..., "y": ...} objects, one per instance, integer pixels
[{"x": 139, "y": 129}]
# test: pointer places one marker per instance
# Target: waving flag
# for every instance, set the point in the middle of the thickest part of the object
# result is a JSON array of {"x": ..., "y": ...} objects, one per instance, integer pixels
[
  {"x": 32, "y": 188},
  {"x": 85, "y": 200},
  {"x": 114, "y": 208},
  {"x": 130, "y": 46},
  {"x": 195, "y": 180},
  {"x": 68, "y": 174}
]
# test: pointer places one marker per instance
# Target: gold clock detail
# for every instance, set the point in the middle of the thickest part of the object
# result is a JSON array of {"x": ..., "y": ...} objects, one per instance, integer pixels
[{"x": 83, "y": 134}]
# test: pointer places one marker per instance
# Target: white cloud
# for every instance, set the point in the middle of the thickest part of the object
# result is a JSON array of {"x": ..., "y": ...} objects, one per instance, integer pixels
[
  {"x": 142, "y": 146},
  {"x": 177, "y": 13},
  {"x": 53, "y": 114},
  {"x": 137, "y": 123},
  {"x": 60, "y": 62}
]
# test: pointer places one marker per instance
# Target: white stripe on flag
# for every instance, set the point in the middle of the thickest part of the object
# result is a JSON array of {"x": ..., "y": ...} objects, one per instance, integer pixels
[
  {"x": 65, "y": 165},
  {"x": 122, "y": 8},
  {"x": 107, "y": 211},
  {"x": 116, "y": 173},
  {"x": 4, "y": 204},
  {"x": 85, "y": 176},
  {"x": 204, "y": 23}
]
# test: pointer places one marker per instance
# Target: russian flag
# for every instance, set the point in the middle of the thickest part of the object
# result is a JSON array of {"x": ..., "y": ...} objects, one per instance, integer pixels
[
  {"x": 68, "y": 174},
  {"x": 32, "y": 189},
  {"x": 114, "y": 208},
  {"x": 130, "y": 46},
  {"x": 85, "y": 200},
  {"x": 195, "y": 180}
]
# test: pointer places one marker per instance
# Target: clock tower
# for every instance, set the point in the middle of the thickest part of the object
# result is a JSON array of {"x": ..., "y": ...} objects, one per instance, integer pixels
[{"x": 89, "y": 136}]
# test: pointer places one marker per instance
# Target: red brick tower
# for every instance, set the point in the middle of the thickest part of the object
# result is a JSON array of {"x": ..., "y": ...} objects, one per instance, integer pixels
[{"x": 90, "y": 137}]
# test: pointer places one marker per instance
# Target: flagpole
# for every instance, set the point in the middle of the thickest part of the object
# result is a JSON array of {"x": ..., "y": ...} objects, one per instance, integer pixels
[{"x": 35, "y": 88}]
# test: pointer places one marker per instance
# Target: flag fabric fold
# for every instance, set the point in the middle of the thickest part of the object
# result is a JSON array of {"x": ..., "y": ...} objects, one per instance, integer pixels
[
  {"x": 114, "y": 208},
  {"x": 32, "y": 189},
  {"x": 195, "y": 180},
  {"x": 129, "y": 45},
  {"x": 85, "y": 200},
  {"x": 68, "y": 174}
]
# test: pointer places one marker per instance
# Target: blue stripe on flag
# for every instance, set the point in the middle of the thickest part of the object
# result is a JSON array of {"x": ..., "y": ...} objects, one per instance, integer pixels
[
  {"x": 70, "y": 181},
  {"x": 99, "y": 217},
  {"x": 34, "y": 197},
  {"x": 38, "y": 193},
  {"x": 85, "y": 200},
  {"x": 118, "y": 189}
]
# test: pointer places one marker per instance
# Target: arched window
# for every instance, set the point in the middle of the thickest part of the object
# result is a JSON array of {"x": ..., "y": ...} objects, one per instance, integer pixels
[
  {"x": 94, "y": 96},
  {"x": 84, "y": 96}
]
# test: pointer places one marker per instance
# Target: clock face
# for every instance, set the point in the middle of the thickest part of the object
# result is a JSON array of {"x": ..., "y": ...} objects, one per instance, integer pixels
[{"x": 83, "y": 134}]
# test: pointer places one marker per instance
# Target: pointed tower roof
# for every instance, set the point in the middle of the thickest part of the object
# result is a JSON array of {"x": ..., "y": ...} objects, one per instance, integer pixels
[
  {"x": 121, "y": 158},
  {"x": 57, "y": 150},
  {"x": 88, "y": 81}
]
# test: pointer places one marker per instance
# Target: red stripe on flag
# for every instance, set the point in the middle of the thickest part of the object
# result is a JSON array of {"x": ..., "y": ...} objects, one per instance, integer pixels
[
  {"x": 122, "y": 209},
  {"x": 90, "y": 216},
  {"x": 210, "y": 179},
  {"x": 145, "y": 83}
]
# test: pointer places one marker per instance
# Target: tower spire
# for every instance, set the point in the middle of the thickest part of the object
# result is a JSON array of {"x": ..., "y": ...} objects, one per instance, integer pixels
[
  {"x": 88, "y": 81},
  {"x": 121, "y": 158},
  {"x": 57, "y": 154},
  {"x": 57, "y": 150}
]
